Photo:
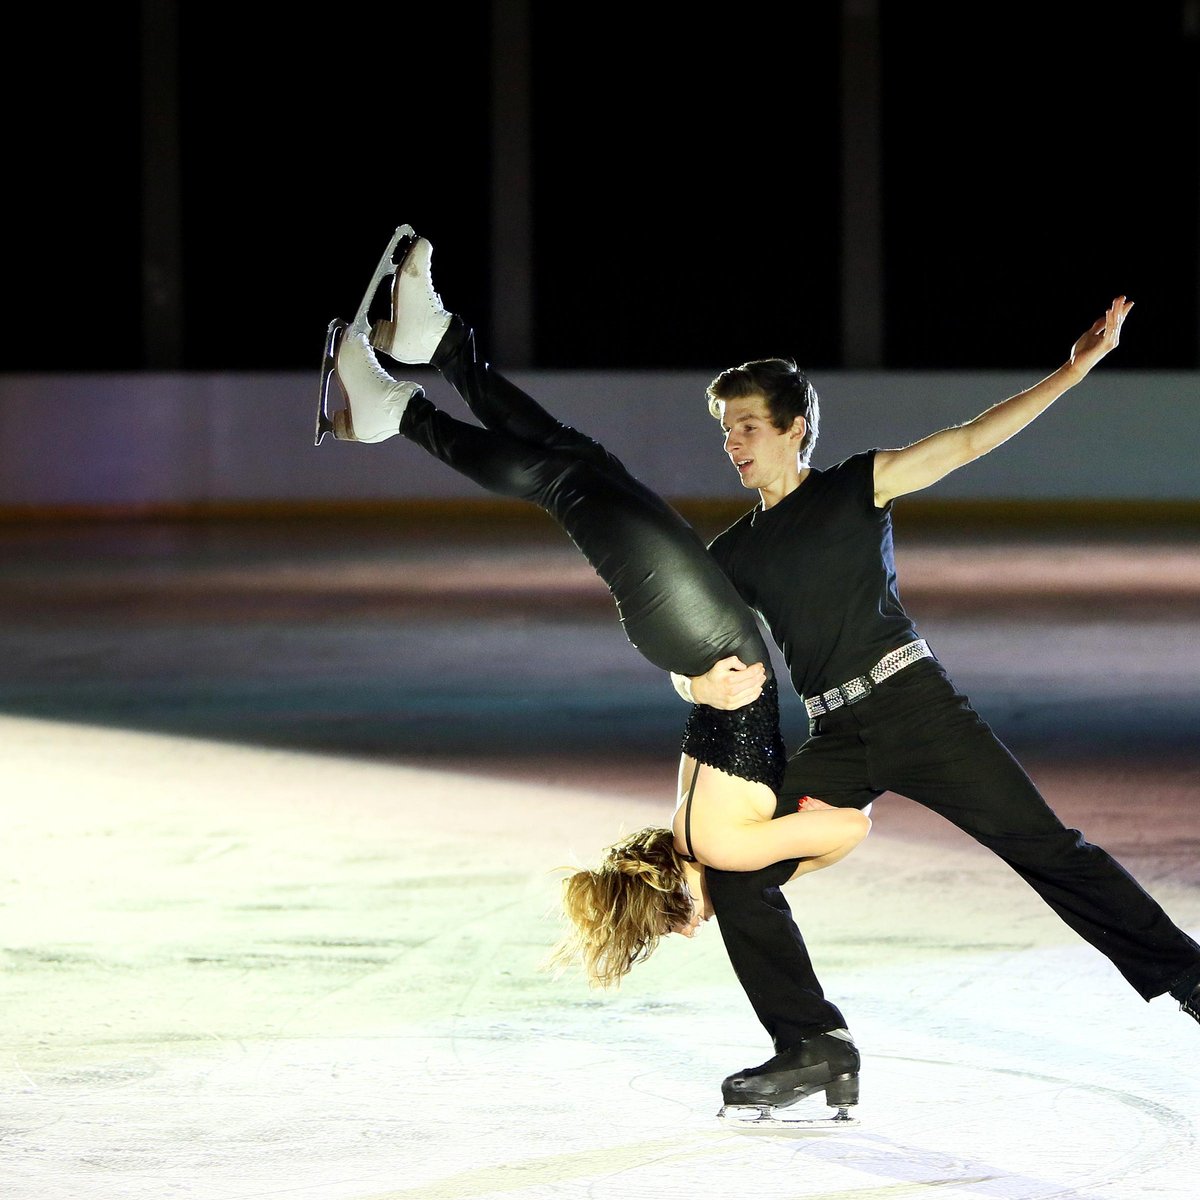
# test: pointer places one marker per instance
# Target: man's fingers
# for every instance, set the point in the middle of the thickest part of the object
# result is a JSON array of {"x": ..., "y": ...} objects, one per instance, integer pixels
[
  {"x": 733, "y": 663},
  {"x": 1120, "y": 310},
  {"x": 743, "y": 695}
]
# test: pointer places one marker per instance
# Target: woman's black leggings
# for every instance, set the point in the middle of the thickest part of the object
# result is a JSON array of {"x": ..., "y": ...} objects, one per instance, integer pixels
[{"x": 677, "y": 607}]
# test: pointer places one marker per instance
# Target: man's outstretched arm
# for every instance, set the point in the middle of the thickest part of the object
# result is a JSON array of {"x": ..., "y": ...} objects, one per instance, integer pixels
[{"x": 898, "y": 472}]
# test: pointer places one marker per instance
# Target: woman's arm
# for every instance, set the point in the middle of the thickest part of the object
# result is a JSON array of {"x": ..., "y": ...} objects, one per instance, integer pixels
[
  {"x": 697, "y": 883},
  {"x": 733, "y": 825},
  {"x": 817, "y": 837}
]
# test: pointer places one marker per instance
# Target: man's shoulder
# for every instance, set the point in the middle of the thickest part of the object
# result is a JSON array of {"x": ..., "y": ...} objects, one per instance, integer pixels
[
  {"x": 861, "y": 460},
  {"x": 849, "y": 475},
  {"x": 731, "y": 533}
]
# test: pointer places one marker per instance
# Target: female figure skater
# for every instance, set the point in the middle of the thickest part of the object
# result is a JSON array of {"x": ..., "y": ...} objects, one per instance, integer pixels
[{"x": 676, "y": 606}]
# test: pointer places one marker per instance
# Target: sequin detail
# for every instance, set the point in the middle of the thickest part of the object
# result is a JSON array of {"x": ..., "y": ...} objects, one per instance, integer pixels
[{"x": 745, "y": 742}]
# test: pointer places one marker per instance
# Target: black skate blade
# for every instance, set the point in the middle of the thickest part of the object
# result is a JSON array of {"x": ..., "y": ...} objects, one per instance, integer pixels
[
  {"x": 333, "y": 339},
  {"x": 766, "y": 1118}
]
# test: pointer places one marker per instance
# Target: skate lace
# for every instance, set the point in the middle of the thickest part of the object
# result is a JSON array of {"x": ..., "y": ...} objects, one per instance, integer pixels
[
  {"x": 437, "y": 309},
  {"x": 379, "y": 372},
  {"x": 358, "y": 347},
  {"x": 1191, "y": 1005}
]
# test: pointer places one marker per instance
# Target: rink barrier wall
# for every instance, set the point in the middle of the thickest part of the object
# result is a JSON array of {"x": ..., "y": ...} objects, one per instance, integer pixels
[{"x": 1120, "y": 446}]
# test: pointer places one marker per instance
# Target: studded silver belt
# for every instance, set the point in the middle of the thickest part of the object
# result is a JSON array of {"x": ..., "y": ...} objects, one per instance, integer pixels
[{"x": 855, "y": 689}]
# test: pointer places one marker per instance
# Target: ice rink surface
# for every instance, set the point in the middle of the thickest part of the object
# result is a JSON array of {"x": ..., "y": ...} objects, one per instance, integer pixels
[{"x": 285, "y": 810}]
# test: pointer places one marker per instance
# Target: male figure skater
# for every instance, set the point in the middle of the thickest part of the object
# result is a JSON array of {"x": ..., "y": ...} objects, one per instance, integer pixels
[{"x": 815, "y": 558}]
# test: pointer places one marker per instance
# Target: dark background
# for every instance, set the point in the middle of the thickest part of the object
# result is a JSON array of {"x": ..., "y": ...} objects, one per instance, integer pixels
[{"x": 685, "y": 182}]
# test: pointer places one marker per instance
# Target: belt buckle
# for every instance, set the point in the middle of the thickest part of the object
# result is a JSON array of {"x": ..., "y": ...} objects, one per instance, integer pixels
[{"x": 863, "y": 685}]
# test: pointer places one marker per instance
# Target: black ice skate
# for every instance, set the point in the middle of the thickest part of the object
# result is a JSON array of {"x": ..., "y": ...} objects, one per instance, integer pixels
[
  {"x": 1191, "y": 1005},
  {"x": 760, "y": 1096}
]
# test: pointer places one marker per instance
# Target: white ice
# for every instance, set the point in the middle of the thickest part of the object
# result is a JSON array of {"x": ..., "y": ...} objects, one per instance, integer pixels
[{"x": 236, "y": 971}]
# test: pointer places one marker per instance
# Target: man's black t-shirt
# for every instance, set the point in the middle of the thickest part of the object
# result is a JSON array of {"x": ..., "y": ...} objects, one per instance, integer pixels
[{"x": 819, "y": 567}]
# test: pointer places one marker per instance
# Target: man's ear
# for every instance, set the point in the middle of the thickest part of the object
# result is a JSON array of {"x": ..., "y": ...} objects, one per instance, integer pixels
[{"x": 799, "y": 428}]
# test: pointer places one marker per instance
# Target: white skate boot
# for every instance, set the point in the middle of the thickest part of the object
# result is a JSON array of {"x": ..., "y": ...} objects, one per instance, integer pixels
[
  {"x": 375, "y": 402},
  {"x": 418, "y": 318}
]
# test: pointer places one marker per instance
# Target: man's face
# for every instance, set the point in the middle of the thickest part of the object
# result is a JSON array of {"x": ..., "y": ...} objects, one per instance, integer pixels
[{"x": 763, "y": 456}]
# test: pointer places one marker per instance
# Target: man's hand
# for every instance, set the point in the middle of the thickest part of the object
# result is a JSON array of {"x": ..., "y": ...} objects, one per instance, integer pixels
[
  {"x": 1103, "y": 336},
  {"x": 729, "y": 683}
]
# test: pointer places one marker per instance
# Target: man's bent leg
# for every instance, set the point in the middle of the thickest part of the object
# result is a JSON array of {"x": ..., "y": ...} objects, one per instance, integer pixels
[
  {"x": 765, "y": 946},
  {"x": 814, "y": 1050},
  {"x": 768, "y": 954}
]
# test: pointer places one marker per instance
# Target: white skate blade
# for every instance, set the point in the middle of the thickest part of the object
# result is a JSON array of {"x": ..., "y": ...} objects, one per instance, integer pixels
[
  {"x": 387, "y": 267},
  {"x": 333, "y": 338},
  {"x": 766, "y": 1118}
]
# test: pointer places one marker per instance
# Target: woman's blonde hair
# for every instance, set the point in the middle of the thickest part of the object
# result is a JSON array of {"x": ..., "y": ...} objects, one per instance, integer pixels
[{"x": 620, "y": 910}]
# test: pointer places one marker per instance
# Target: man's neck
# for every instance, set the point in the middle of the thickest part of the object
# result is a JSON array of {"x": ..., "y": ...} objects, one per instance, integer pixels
[{"x": 771, "y": 496}]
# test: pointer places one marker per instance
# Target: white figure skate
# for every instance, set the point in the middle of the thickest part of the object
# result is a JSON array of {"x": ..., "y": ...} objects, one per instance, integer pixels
[
  {"x": 417, "y": 320},
  {"x": 375, "y": 401}
]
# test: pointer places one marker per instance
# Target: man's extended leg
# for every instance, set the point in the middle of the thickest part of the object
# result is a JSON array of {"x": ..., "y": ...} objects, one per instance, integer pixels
[{"x": 928, "y": 743}]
